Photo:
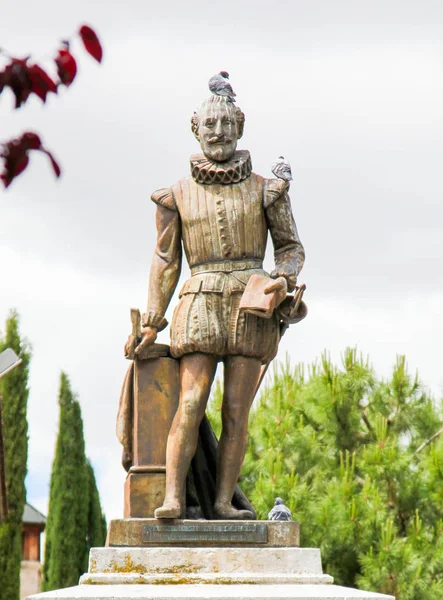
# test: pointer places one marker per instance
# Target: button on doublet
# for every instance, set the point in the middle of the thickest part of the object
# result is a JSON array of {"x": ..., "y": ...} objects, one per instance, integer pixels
[{"x": 222, "y": 222}]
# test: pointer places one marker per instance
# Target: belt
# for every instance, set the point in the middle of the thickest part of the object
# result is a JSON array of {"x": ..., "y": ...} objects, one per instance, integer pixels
[{"x": 227, "y": 266}]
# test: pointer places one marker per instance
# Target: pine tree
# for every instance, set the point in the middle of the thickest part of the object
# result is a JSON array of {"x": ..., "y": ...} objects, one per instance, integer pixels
[
  {"x": 359, "y": 461},
  {"x": 14, "y": 391},
  {"x": 66, "y": 549}
]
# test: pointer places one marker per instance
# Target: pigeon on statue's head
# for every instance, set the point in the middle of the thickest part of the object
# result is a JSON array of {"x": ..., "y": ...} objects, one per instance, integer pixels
[
  {"x": 220, "y": 86},
  {"x": 282, "y": 169},
  {"x": 279, "y": 512}
]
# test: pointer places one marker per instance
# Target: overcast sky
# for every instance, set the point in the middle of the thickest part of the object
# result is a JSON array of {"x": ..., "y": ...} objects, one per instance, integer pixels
[{"x": 351, "y": 92}]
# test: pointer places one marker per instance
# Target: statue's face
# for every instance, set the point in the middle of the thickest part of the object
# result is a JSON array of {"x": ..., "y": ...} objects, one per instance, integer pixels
[{"x": 217, "y": 131}]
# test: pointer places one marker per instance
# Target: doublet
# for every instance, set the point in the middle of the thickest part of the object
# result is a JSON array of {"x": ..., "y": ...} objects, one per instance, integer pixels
[{"x": 224, "y": 229}]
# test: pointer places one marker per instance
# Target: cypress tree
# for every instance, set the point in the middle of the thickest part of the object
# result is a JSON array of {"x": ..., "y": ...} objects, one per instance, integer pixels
[
  {"x": 97, "y": 528},
  {"x": 14, "y": 391},
  {"x": 66, "y": 547}
]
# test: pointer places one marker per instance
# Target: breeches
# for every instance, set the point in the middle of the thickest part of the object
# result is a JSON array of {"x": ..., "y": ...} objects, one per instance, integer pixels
[{"x": 211, "y": 322}]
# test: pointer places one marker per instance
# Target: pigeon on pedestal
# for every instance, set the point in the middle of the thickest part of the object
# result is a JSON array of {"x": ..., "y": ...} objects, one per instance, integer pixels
[
  {"x": 279, "y": 512},
  {"x": 282, "y": 169},
  {"x": 220, "y": 86}
]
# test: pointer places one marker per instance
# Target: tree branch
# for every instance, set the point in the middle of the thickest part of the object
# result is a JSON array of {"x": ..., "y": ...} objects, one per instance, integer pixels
[
  {"x": 366, "y": 421},
  {"x": 427, "y": 442}
]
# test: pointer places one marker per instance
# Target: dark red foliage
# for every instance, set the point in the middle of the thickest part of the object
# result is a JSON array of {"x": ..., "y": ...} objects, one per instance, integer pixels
[
  {"x": 42, "y": 84},
  {"x": 24, "y": 79},
  {"x": 16, "y": 159},
  {"x": 66, "y": 66},
  {"x": 16, "y": 76},
  {"x": 54, "y": 163},
  {"x": 91, "y": 42}
]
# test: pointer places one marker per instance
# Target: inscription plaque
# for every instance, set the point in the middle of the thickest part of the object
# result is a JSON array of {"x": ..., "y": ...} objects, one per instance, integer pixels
[{"x": 250, "y": 533}]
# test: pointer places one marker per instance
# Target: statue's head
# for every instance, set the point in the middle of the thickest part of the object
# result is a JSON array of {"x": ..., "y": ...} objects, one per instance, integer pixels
[{"x": 218, "y": 125}]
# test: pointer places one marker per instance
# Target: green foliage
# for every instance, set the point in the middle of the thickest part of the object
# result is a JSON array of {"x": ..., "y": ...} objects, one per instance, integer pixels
[
  {"x": 14, "y": 392},
  {"x": 65, "y": 551},
  {"x": 97, "y": 528},
  {"x": 359, "y": 461},
  {"x": 75, "y": 521}
]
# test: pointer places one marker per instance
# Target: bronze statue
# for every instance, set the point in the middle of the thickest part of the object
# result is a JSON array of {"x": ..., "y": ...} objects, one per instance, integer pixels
[{"x": 221, "y": 214}]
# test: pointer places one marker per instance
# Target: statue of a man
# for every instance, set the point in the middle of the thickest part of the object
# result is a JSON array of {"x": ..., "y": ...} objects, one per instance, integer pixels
[{"x": 221, "y": 214}]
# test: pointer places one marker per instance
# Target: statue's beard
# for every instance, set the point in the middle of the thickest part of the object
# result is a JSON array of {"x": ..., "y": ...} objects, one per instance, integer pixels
[{"x": 219, "y": 149}]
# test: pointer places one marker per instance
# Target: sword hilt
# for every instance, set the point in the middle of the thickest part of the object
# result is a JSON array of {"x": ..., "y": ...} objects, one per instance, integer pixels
[{"x": 298, "y": 296}]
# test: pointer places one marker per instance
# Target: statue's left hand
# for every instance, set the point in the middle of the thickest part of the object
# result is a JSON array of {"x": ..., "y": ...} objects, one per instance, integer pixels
[
  {"x": 280, "y": 286},
  {"x": 291, "y": 278}
]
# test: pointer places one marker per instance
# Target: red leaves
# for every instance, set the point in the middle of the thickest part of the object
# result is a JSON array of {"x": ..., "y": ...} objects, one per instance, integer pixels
[
  {"x": 91, "y": 42},
  {"x": 15, "y": 75},
  {"x": 16, "y": 159},
  {"x": 24, "y": 79},
  {"x": 66, "y": 66},
  {"x": 54, "y": 163},
  {"x": 42, "y": 84}
]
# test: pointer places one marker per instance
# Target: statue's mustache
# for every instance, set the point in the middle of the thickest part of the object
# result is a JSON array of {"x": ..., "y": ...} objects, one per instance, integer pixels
[{"x": 217, "y": 139}]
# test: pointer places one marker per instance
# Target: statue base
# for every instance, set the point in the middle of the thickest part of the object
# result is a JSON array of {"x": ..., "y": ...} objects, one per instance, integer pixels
[
  {"x": 210, "y": 592},
  {"x": 215, "y": 565},
  {"x": 207, "y": 560},
  {"x": 202, "y": 533}
]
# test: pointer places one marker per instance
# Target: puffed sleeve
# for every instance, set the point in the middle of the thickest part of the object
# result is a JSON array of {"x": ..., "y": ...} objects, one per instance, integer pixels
[
  {"x": 166, "y": 262},
  {"x": 289, "y": 254},
  {"x": 164, "y": 197}
]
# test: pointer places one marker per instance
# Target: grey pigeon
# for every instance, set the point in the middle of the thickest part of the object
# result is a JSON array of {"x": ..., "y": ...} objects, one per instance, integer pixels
[
  {"x": 279, "y": 512},
  {"x": 220, "y": 86},
  {"x": 282, "y": 169}
]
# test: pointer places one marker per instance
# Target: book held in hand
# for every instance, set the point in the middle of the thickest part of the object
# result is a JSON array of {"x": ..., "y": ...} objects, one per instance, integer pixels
[{"x": 254, "y": 299}]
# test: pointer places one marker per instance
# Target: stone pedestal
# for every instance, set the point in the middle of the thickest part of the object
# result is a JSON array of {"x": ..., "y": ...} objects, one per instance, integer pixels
[
  {"x": 181, "y": 565},
  {"x": 211, "y": 592},
  {"x": 208, "y": 560},
  {"x": 139, "y": 533},
  {"x": 156, "y": 392}
]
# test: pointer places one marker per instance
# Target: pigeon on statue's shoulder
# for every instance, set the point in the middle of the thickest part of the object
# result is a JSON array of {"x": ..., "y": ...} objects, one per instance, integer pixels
[
  {"x": 219, "y": 85},
  {"x": 282, "y": 169},
  {"x": 279, "y": 512}
]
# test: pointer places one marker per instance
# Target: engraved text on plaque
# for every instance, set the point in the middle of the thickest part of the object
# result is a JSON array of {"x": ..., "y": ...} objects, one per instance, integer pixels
[{"x": 250, "y": 533}]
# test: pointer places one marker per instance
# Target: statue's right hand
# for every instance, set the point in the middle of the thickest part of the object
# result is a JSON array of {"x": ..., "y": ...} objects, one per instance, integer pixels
[
  {"x": 149, "y": 335},
  {"x": 130, "y": 347}
]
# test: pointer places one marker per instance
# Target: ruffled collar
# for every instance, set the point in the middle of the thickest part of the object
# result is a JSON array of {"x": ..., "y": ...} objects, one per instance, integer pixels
[{"x": 232, "y": 171}]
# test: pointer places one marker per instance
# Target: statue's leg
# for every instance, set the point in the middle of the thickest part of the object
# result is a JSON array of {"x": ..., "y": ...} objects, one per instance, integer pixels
[
  {"x": 196, "y": 376},
  {"x": 240, "y": 380}
]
